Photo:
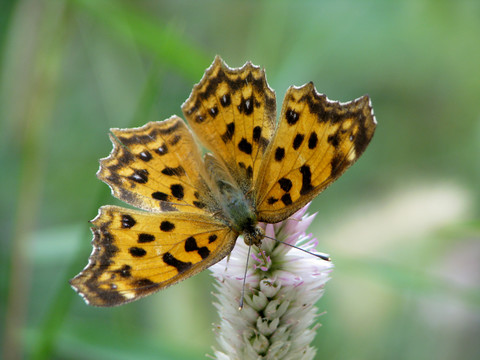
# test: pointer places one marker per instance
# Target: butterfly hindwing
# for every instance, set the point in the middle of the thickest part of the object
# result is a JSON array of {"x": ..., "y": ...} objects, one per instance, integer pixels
[
  {"x": 137, "y": 253},
  {"x": 157, "y": 167},
  {"x": 315, "y": 142},
  {"x": 232, "y": 111}
]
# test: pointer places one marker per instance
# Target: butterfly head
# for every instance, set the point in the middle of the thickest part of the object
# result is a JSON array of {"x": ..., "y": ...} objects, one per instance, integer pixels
[{"x": 253, "y": 235}]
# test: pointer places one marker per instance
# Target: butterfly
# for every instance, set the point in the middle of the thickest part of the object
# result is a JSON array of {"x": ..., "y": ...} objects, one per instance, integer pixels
[{"x": 192, "y": 208}]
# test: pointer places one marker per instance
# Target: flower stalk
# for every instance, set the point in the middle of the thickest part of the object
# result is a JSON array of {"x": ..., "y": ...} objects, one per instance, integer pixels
[{"x": 282, "y": 285}]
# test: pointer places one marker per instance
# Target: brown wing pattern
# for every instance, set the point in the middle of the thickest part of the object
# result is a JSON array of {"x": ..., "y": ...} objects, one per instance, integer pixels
[
  {"x": 157, "y": 167},
  {"x": 316, "y": 141},
  {"x": 137, "y": 253},
  {"x": 232, "y": 111}
]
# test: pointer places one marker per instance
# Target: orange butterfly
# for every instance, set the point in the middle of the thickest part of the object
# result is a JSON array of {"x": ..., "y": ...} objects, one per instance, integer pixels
[{"x": 197, "y": 207}]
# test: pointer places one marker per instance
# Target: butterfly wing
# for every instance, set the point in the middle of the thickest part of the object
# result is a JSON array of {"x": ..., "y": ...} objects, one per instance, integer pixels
[
  {"x": 316, "y": 141},
  {"x": 158, "y": 167},
  {"x": 137, "y": 253},
  {"x": 232, "y": 111}
]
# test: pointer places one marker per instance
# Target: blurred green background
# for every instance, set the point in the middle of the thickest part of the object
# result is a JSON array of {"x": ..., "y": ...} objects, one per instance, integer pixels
[{"x": 401, "y": 226}]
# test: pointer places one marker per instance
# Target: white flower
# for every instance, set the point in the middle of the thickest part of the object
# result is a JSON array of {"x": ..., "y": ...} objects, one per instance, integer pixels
[{"x": 279, "y": 314}]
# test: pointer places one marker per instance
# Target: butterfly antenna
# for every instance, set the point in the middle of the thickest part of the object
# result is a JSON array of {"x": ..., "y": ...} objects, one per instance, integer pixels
[
  {"x": 321, "y": 256},
  {"x": 240, "y": 304}
]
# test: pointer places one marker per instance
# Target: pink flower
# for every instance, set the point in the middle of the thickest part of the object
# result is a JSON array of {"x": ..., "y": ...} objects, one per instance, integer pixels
[{"x": 281, "y": 288}]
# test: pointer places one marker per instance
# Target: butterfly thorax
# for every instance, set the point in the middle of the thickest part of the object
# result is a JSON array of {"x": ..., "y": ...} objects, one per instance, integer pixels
[
  {"x": 240, "y": 214},
  {"x": 237, "y": 207}
]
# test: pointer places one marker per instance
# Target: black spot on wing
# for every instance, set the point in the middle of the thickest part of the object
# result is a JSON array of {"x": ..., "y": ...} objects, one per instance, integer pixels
[
  {"x": 272, "y": 200},
  {"x": 334, "y": 139},
  {"x": 213, "y": 111},
  {"x": 171, "y": 260},
  {"x": 279, "y": 153},
  {"x": 246, "y": 106},
  {"x": 144, "y": 283},
  {"x": 228, "y": 135},
  {"x": 225, "y": 100},
  {"x": 177, "y": 191},
  {"x": 167, "y": 226},
  {"x": 257, "y": 133},
  {"x": 162, "y": 149},
  {"x": 286, "y": 199},
  {"x": 199, "y": 119},
  {"x": 174, "y": 171},
  {"x": 285, "y": 184},
  {"x": 145, "y": 238},
  {"x": 139, "y": 176},
  {"x": 158, "y": 195},
  {"x": 199, "y": 204},
  {"x": 137, "y": 251},
  {"x": 292, "y": 116},
  {"x": 145, "y": 156},
  {"x": 245, "y": 146},
  {"x": 306, "y": 180},
  {"x": 191, "y": 245},
  {"x": 128, "y": 222},
  {"x": 297, "y": 141},
  {"x": 203, "y": 252},
  {"x": 312, "y": 140},
  {"x": 124, "y": 271}
]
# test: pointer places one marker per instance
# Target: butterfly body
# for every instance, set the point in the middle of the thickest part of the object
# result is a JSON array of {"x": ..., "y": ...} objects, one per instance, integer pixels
[
  {"x": 238, "y": 210},
  {"x": 193, "y": 208},
  {"x": 241, "y": 216}
]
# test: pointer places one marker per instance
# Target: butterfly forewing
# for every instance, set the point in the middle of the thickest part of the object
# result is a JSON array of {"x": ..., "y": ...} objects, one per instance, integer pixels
[
  {"x": 315, "y": 142},
  {"x": 158, "y": 167},
  {"x": 137, "y": 253},
  {"x": 232, "y": 111}
]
